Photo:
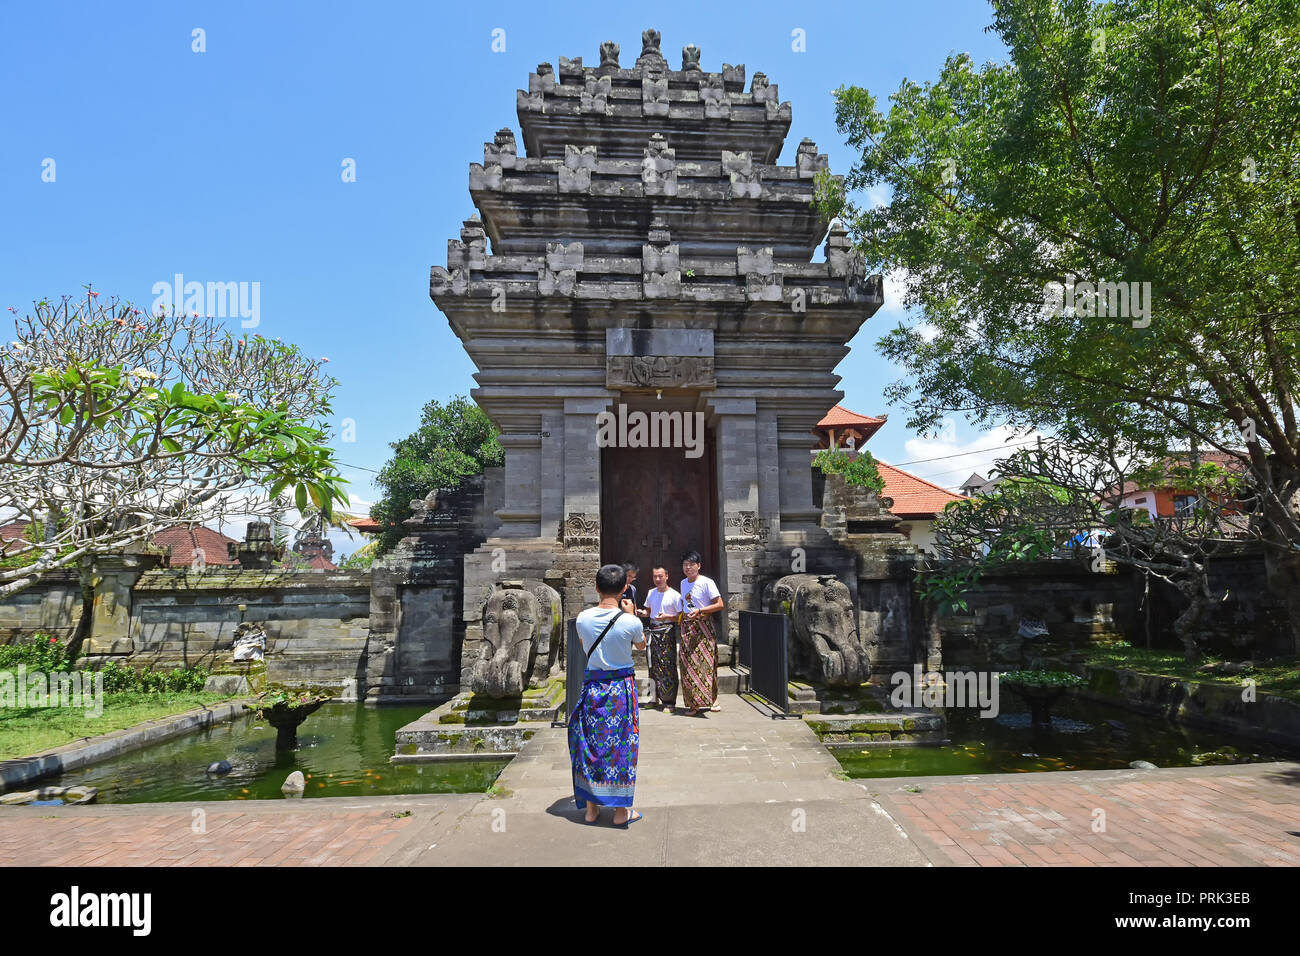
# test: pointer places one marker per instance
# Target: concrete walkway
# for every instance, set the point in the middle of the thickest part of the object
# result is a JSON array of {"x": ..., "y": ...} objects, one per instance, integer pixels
[{"x": 732, "y": 788}]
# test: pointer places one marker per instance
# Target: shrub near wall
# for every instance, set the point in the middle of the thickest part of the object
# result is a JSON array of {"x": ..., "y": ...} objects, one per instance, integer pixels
[{"x": 41, "y": 653}]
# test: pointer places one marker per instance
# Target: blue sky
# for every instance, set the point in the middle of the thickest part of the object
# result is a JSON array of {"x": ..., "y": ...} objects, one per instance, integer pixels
[{"x": 225, "y": 165}]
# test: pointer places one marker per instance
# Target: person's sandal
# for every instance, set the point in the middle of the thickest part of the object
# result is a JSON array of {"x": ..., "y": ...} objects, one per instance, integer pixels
[{"x": 633, "y": 817}]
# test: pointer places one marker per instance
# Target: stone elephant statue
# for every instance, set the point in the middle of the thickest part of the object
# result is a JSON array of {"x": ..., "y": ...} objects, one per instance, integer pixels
[
  {"x": 825, "y": 644},
  {"x": 520, "y": 639}
]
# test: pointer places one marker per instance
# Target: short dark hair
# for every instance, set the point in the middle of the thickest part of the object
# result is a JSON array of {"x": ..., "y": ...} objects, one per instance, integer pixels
[
  {"x": 658, "y": 567},
  {"x": 692, "y": 556},
  {"x": 611, "y": 579},
  {"x": 630, "y": 566}
]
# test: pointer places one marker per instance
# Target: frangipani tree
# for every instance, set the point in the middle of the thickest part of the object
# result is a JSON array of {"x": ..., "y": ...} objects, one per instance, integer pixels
[{"x": 115, "y": 424}]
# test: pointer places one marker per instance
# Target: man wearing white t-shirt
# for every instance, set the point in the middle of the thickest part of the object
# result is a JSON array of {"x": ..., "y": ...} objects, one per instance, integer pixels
[
  {"x": 663, "y": 605},
  {"x": 701, "y": 599}
]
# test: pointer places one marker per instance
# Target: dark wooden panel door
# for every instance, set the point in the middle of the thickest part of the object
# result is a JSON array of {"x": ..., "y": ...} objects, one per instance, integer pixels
[{"x": 655, "y": 504}]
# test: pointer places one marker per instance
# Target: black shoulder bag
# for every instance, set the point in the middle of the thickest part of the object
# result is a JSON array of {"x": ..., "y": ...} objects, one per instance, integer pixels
[{"x": 620, "y": 613}]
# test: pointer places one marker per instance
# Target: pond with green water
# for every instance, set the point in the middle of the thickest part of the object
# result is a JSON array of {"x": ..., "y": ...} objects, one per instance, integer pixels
[
  {"x": 343, "y": 751},
  {"x": 1083, "y": 735}
]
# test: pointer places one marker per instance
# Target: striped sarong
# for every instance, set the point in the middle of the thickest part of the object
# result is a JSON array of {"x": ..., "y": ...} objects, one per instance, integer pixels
[
  {"x": 663, "y": 661},
  {"x": 699, "y": 662},
  {"x": 604, "y": 736}
]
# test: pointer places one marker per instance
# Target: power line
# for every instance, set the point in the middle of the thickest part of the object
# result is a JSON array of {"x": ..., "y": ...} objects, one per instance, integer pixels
[{"x": 963, "y": 454}]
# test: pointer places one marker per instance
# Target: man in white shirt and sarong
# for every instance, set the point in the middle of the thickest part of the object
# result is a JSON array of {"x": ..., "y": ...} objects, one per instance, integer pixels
[
  {"x": 698, "y": 655},
  {"x": 663, "y": 605}
]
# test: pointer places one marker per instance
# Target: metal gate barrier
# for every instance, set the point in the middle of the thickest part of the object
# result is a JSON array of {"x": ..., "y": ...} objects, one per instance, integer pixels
[{"x": 764, "y": 639}]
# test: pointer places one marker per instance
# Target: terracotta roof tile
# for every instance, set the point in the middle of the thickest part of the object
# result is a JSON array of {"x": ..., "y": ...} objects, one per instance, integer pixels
[
  {"x": 183, "y": 540},
  {"x": 913, "y": 497},
  {"x": 839, "y": 417},
  {"x": 13, "y": 530}
]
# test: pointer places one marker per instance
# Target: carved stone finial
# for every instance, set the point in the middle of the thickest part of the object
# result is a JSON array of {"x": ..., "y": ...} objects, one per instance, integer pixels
[
  {"x": 650, "y": 43},
  {"x": 691, "y": 57},
  {"x": 609, "y": 55},
  {"x": 257, "y": 550}
]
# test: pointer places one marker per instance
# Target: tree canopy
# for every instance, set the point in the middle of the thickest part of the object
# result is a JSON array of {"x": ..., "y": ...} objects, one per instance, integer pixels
[
  {"x": 454, "y": 440},
  {"x": 1102, "y": 233},
  {"x": 115, "y": 423}
]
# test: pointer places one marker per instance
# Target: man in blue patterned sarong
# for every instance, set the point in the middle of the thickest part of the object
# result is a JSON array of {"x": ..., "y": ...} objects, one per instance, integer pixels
[{"x": 604, "y": 729}]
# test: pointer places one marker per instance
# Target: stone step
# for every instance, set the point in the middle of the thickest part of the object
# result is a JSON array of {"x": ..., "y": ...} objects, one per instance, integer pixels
[
  {"x": 730, "y": 681},
  {"x": 725, "y": 658},
  {"x": 896, "y": 727}
]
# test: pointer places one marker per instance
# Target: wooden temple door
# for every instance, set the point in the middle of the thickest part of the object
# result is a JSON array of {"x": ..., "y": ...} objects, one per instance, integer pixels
[{"x": 655, "y": 504}]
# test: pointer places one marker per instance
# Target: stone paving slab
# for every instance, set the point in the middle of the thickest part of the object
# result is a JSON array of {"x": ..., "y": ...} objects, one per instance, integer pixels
[
  {"x": 732, "y": 788},
  {"x": 328, "y": 831},
  {"x": 1244, "y": 815}
]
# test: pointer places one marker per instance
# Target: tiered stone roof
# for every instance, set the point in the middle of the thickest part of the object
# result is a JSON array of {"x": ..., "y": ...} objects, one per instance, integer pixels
[
  {"x": 617, "y": 109},
  {"x": 649, "y": 184}
]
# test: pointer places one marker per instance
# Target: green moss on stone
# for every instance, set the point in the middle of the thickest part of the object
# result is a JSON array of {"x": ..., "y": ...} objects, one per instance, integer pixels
[{"x": 452, "y": 719}]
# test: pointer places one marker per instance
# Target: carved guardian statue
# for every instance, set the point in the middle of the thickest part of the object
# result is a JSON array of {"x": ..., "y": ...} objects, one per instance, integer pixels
[
  {"x": 825, "y": 643},
  {"x": 520, "y": 643}
]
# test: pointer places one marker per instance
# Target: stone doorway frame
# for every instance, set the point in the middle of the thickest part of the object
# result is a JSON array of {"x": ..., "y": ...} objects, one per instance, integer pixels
[{"x": 711, "y": 545}]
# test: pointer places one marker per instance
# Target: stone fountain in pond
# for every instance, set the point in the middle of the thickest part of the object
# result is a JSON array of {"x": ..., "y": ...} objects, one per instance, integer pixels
[
  {"x": 286, "y": 712},
  {"x": 512, "y": 666},
  {"x": 1040, "y": 690}
]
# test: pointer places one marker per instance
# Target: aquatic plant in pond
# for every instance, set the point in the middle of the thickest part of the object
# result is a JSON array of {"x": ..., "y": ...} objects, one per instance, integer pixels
[
  {"x": 285, "y": 709},
  {"x": 1040, "y": 690}
]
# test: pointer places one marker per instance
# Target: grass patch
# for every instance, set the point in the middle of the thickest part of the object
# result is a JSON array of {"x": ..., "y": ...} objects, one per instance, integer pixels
[
  {"x": 1280, "y": 676},
  {"x": 31, "y": 730}
]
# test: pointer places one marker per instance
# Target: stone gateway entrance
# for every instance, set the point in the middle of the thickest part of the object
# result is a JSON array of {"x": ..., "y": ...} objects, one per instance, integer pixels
[{"x": 640, "y": 249}]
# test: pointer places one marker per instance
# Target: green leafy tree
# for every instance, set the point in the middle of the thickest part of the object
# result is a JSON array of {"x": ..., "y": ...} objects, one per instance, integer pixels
[
  {"x": 454, "y": 440},
  {"x": 115, "y": 424},
  {"x": 1121, "y": 143}
]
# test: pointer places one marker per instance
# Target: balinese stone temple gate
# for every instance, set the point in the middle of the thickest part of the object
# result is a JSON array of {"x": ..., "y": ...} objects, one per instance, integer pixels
[{"x": 640, "y": 250}]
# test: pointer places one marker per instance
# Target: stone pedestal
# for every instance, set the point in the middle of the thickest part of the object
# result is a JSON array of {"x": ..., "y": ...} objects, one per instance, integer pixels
[{"x": 470, "y": 724}]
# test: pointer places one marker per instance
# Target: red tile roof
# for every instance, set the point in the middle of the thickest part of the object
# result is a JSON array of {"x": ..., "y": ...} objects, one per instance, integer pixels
[
  {"x": 183, "y": 540},
  {"x": 322, "y": 563},
  {"x": 913, "y": 497},
  {"x": 13, "y": 531},
  {"x": 365, "y": 525},
  {"x": 840, "y": 417}
]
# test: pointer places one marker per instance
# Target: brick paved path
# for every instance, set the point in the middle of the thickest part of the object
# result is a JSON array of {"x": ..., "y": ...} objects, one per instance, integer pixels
[
  {"x": 1205, "y": 816},
  {"x": 732, "y": 788}
]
